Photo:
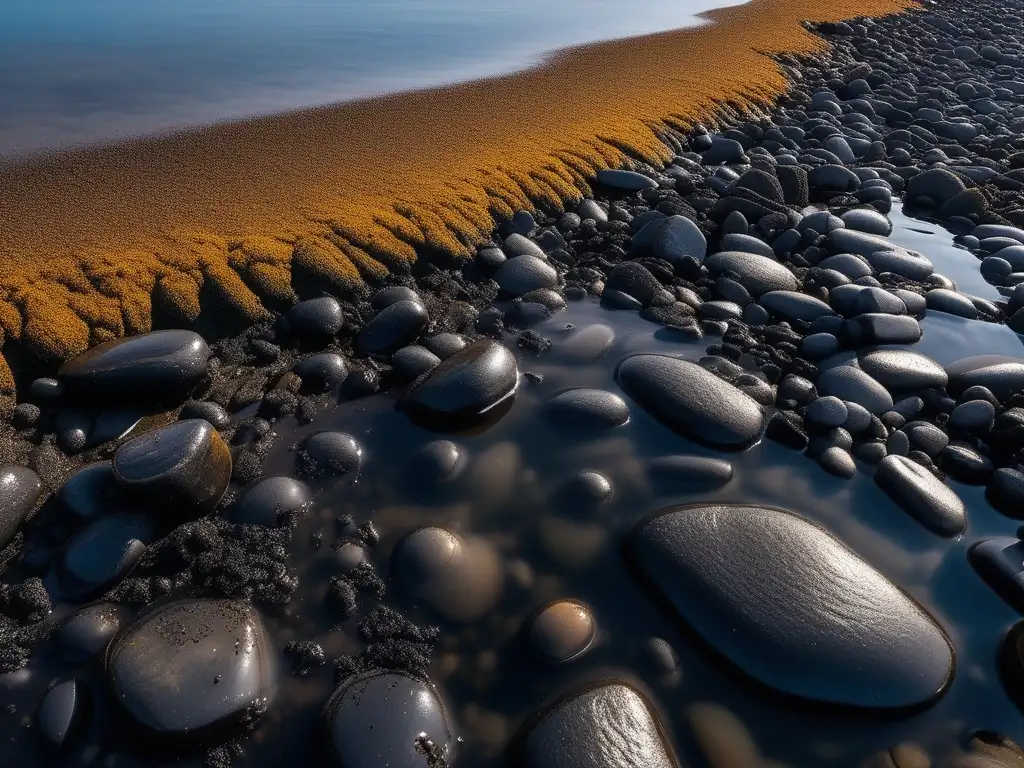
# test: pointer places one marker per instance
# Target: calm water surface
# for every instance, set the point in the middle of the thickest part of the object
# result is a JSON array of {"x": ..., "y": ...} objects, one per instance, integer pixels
[{"x": 84, "y": 71}]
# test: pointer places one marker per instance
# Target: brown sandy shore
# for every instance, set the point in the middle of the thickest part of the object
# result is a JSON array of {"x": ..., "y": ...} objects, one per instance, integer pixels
[{"x": 94, "y": 243}]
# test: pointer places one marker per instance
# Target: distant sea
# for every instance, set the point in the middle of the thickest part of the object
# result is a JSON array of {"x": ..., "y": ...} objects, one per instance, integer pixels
[{"x": 76, "y": 72}]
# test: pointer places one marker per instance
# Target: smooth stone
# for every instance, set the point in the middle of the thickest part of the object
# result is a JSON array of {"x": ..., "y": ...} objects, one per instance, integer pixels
[
  {"x": 392, "y": 328},
  {"x": 586, "y": 344},
  {"x": 818, "y": 346},
  {"x": 323, "y": 371},
  {"x": 561, "y": 631},
  {"x": 692, "y": 474},
  {"x": 858, "y": 418},
  {"x": 182, "y": 469},
  {"x": 208, "y": 410},
  {"x": 390, "y": 719},
  {"x": 868, "y": 220},
  {"x": 1012, "y": 254},
  {"x": 517, "y": 245},
  {"x": 918, "y": 492},
  {"x": 902, "y": 263},
  {"x": 722, "y": 739},
  {"x": 848, "y": 264},
  {"x": 103, "y": 553},
  {"x": 628, "y": 181},
  {"x": 827, "y": 412},
  {"x": 605, "y": 725},
  {"x": 271, "y": 499},
  {"x": 757, "y": 274},
  {"x": 444, "y": 345},
  {"x": 983, "y": 231},
  {"x": 634, "y": 280},
  {"x": 692, "y": 401},
  {"x": 837, "y": 461},
  {"x": 926, "y": 437},
  {"x": 330, "y": 454},
  {"x": 154, "y": 366},
  {"x": 392, "y": 295},
  {"x": 853, "y": 300},
  {"x": 458, "y": 577},
  {"x": 877, "y": 328},
  {"x": 974, "y": 415},
  {"x": 1000, "y": 562},
  {"x": 192, "y": 667},
  {"x": 615, "y": 299},
  {"x": 747, "y": 244},
  {"x": 853, "y": 384},
  {"x": 414, "y": 361},
  {"x": 673, "y": 239},
  {"x": 91, "y": 491},
  {"x": 20, "y": 489},
  {"x": 590, "y": 209},
  {"x": 965, "y": 465},
  {"x": 593, "y": 408},
  {"x": 63, "y": 712},
  {"x": 439, "y": 461},
  {"x": 466, "y": 387},
  {"x": 790, "y": 306},
  {"x": 902, "y": 370},
  {"x": 318, "y": 318},
  {"x": 817, "y": 623},
  {"x": 524, "y": 274},
  {"x": 833, "y": 178},
  {"x": 1005, "y": 492},
  {"x": 952, "y": 302},
  {"x": 1003, "y": 376},
  {"x": 88, "y": 631}
]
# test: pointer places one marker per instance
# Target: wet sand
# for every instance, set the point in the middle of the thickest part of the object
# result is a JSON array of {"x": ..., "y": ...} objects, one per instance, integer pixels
[{"x": 97, "y": 243}]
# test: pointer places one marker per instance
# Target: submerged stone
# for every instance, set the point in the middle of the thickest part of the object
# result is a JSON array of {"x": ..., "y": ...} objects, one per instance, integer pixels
[
  {"x": 593, "y": 408},
  {"x": 561, "y": 631},
  {"x": 266, "y": 502},
  {"x": 792, "y": 607},
  {"x": 689, "y": 473},
  {"x": 464, "y": 388},
  {"x": 154, "y": 366},
  {"x": 692, "y": 401},
  {"x": 192, "y": 667},
  {"x": 388, "y": 719},
  {"x": 608, "y": 725}
]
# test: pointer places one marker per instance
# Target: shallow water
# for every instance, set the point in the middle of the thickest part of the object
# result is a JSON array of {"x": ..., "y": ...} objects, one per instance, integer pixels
[
  {"x": 77, "y": 72},
  {"x": 506, "y": 496}
]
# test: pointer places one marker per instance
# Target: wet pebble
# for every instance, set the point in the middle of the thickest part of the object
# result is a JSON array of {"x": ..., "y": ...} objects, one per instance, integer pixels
[
  {"x": 693, "y": 474},
  {"x": 208, "y": 410},
  {"x": 791, "y": 306},
  {"x": 444, "y": 345},
  {"x": 439, "y": 461},
  {"x": 1005, "y": 492},
  {"x": 837, "y": 461},
  {"x": 903, "y": 370},
  {"x": 1002, "y": 376},
  {"x": 611, "y": 715},
  {"x": 588, "y": 408},
  {"x": 827, "y": 412},
  {"x": 690, "y": 400},
  {"x": 849, "y": 383},
  {"x": 87, "y": 631},
  {"x": 192, "y": 667},
  {"x": 63, "y": 713},
  {"x": 388, "y": 719},
  {"x": 758, "y": 274},
  {"x": 413, "y": 361},
  {"x": 154, "y": 366},
  {"x": 392, "y": 328},
  {"x": 318, "y": 318},
  {"x": 20, "y": 489},
  {"x": 269, "y": 501},
  {"x": 103, "y": 553},
  {"x": 392, "y": 295},
  {"x": 791, "y": 606},
  {"x": 466, "y": 387},
  {"x": 922, "y": 495},
  {"x": 586, "y": 344},
  {"x": 524, "y": 274},
  {"x": 965, "y": 464},
  {"x": 182, "y": 469},
  {"x": 560, "y": 631},
  {"x": 1000, "y": 562},
  {"x": 330, "y": 454},
  {"x": 321, "y": 372}
]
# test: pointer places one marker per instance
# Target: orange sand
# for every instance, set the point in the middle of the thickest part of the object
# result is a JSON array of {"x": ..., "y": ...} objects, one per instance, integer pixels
[{"x": 92, "y": 242}]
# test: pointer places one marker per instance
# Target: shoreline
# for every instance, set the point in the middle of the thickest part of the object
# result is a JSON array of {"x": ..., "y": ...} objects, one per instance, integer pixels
[{"x": 97, "y": 243}]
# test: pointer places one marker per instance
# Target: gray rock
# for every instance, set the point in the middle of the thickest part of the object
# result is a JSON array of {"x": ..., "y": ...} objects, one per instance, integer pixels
[
  {"x": 321, "y": 372},
  {"x": 952, "y": 302},
  {"x": 973, "y": 415},
  {"x": 388, "y": 719},
  {"x": 1003, "y": 376},
  {"x": 852, "y": 300},
  {"x": 818, "y": 346},
  {"x": 1000, "y": 562},
  {"x": 607, "y": 725},
  {"x": 938, "y": 184},
  {"x": 266, "y": 502},
  {"x": 833, "y": 178},
  {"x": 965, "y": 464},
  {"x": 586, "y": 344},
  {"x": 88, "y": 631},
  {"x": 868, "y": 220},
  {"x": 1005, "y": 492},
  {"x": 792, "y": 607},
  {"x": 883, "y": 329},
  {"x": 922, "y": 495},
  {"x": 330, "y": 454},
  {"x": 444, "y": 345},
  {"x": 413, "y": 361},
  {"x": 849, "y": 383},
  {"x": 827, "y": 412},
  {"x": 192, "y": 668},
  {"x": 692, "y": 401},
  {"x": 466, "y": 387},
  {"x": 902, "y": 370},
  {"x": 629, "y": 181},
  {"x": 155, "y": 366},
  {"x": 672, "y": 239},
  {"x": 516, "y": 245},
  {"x": 747, "y": 244},
  {"x": 182, "y": 469},
  {"x": 692, "y": 474},
  {"x": 439, "y": 461},
  {"x": 63, "y": 713},
  {"x": 634, "y": 280},
  {"x": 757, "y": 274},
  {"x": 790, "y": 306},
  {"x": 723, "y": 151},
  {"x": 837, "y": 461},
  {"x": 588, "y": 408},
  {"x": 524, "y": 274},
  {"x": 20, "y": 489},
  {"x": 901, "y": 263},
  {"x": 848, "y": 264},
  {"x": 589, "y": 209}
]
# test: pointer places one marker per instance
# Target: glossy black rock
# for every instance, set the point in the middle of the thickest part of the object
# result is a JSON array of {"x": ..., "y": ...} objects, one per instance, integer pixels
[
  {"x": 20, "y": 489},
  {"x": 154, "y": 366},
  {"x": 792, "y": 607},
  {"x": 588, "y": 408},
  {"x": 388, "y": 719},
  {"x": 692, "y": 401},
  {"x": 922, "y": 495}
]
